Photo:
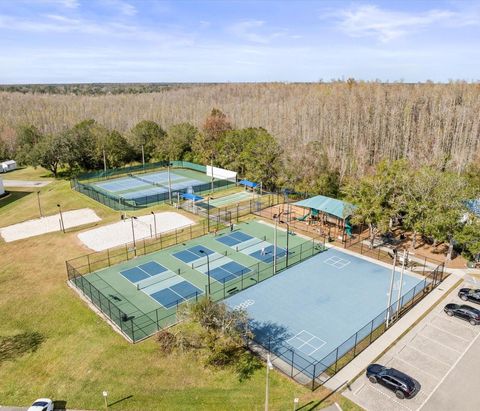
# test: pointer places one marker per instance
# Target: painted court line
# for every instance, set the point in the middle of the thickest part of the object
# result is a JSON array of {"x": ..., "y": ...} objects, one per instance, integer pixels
[{"x": 449, "y": 371}]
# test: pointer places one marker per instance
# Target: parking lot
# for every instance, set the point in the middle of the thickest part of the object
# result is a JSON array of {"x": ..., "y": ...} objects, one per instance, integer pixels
[{"x": 440, "y": 353}]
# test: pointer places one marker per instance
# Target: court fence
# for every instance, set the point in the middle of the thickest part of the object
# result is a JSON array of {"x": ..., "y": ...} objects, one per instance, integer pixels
[
  {"x": 83, "y": 184},
  {"x": 138, "y": 327},
  {"x": 232, "y": 213},
  {"x": 314, "y": 373}
]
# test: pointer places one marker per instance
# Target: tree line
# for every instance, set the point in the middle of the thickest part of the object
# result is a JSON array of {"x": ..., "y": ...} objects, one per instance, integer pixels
[
  {"x": 252, "y": 152},
  {"x": 425, "y": 201},
  {"x": 350, "y": 126}
]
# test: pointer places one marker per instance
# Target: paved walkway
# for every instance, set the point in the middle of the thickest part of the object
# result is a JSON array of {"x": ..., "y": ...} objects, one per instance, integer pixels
[
  {"x": 382, "y": 343},
  {"x": 25, "y": 183}
]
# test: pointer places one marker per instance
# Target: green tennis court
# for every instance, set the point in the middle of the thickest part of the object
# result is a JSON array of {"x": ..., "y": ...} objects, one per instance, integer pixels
[{"x": 149, "y": 289}]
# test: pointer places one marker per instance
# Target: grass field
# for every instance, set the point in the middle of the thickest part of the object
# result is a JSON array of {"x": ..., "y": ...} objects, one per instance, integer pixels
[{"x": 80, "y": 354}]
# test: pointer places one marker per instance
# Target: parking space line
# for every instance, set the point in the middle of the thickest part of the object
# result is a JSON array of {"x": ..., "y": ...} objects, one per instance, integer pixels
[
  {"x": 449, "y": 371},
  {"x": 452, "y": 320},
  {"x": 419, "y": 369},
  {"x": 358, "y": 389},
  {"x": 428, "y": 355},
  {"x": 391, "y": 398},
  {"x": 439, "y": 343},
  {"x": 448, "y": 332}
]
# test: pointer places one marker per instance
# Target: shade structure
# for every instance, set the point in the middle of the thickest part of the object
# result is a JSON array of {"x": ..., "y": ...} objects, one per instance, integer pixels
[
  {"x": 193, "y": 197},
  {"x": 248, "y": 183},
  {"x": 332, "y": 206}
]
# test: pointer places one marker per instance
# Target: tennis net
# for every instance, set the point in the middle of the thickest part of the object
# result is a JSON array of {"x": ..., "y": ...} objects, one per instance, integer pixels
[
  {"x": 147, "y": 181},
  {"x": 216, "y": 256},
  {"x": 250, "y": 243},
  {"x": 155, "y": 280}
]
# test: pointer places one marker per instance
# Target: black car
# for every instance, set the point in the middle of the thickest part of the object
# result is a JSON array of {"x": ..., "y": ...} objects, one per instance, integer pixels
[
  {"x": 467, "y": 294},
  {"x": 401, "y": 384},
  {"x": 465, "y": 312}
]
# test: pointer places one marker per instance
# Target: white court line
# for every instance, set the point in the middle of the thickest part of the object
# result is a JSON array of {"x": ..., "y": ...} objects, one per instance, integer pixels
[{"x": 449, "y": 371}]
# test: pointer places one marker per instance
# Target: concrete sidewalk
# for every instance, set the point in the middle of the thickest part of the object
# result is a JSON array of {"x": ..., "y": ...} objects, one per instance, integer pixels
[{"x": 382, "y": 343}]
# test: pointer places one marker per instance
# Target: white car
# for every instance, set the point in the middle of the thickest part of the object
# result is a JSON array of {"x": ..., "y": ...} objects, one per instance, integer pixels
[{"x": 42, "y": 404}]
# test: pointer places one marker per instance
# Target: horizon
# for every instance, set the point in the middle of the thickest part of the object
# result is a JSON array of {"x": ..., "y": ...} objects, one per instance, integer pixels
[{"x": 125, "y": 42}]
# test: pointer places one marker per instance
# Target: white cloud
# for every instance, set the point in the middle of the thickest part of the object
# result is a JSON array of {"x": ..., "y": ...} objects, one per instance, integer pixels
[
  {"x": 386, "y": 25},
  {"x": 254, "y": 31}
]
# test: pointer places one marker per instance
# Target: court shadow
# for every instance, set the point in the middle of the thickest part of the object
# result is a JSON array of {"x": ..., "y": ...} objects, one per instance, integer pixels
[{"x": 270, "y": 334}]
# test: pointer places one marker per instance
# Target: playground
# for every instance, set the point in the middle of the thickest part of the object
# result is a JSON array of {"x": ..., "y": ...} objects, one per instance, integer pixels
[{"x": 318, "y": 216}]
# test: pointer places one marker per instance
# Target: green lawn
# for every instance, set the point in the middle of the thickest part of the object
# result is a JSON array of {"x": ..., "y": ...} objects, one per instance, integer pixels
[{"x": 81, "y": 355}]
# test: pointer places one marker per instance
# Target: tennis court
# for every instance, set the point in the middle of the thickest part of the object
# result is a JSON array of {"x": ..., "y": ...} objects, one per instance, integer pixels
[
  {"x": 148, "y": 289},
  {"x": 307, "y": 311},
  {"x": 140, "y": 187}
]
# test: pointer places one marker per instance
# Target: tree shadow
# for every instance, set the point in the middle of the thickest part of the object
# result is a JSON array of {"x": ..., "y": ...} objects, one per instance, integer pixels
[
  {"x": 269, "y": 334},
  {"x": 12, "y": 196}
]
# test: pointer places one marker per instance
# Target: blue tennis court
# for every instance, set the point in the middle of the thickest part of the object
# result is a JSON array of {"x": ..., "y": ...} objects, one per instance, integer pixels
[
  {"x": 161, "y": 284},
  {"x": 176, "y": 294},
  {"x": 193, "y": 253},
  {"x": 219, "y": 266},
  {"x": 313, "y": 307},
  {"x": 143, "y": 271}
]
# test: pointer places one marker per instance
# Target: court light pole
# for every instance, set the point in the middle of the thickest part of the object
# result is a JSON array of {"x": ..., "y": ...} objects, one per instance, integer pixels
[
  {"x": 404, "y": 262},
  {"x": 155, "y": 223},
  {"x": 133, "y": 235},
  {"x": 61, "y": 218},
  {"x": 143, "y": 157},
  {"x": 208, "y": 214},
  {"x": 390, "y": 290},
  {"x": 288, "y": 232},
  {"x": 208, "y": 269},
  {"x": 269, "y": 367},
  {"x": 295, "y": 403}
]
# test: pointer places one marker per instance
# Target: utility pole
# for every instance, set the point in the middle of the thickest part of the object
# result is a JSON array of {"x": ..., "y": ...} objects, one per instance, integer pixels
[{"x": 143, "y": 157}]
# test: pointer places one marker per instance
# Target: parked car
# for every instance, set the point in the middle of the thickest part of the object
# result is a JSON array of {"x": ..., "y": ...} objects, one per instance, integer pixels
[
  {"x": 401, "y": 384},
  {"x": 42, "y": 404},
  {"x": 465, "y": 312},
  {"x": 468, "y": 294}
]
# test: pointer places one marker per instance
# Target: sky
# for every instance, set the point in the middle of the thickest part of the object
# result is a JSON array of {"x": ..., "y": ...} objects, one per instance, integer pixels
[{"x": 82, "y": 41}]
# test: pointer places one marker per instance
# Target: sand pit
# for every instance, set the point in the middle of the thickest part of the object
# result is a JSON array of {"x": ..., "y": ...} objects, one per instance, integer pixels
[
  {"x": 116, "y": 234},
  {"x": 48, "y": 224}
]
